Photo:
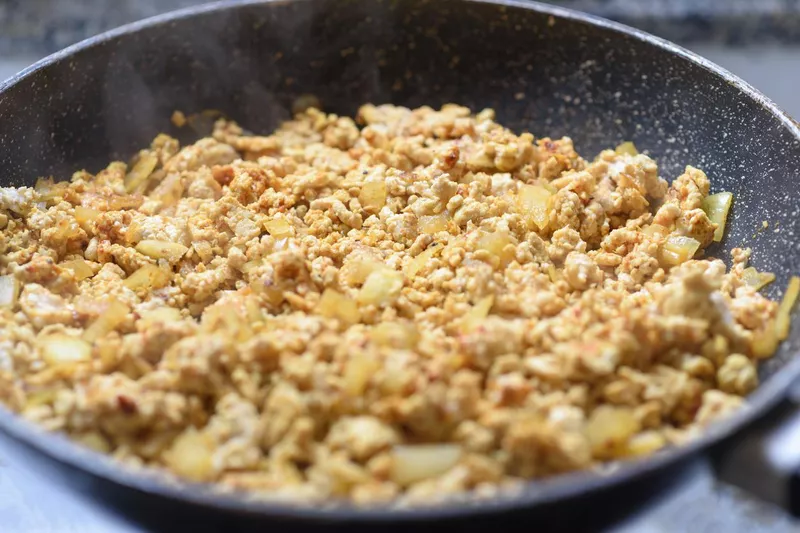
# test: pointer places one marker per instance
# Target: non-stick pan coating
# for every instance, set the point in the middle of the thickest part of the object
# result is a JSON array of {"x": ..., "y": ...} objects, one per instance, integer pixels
[{"x": 543, "y": 69}]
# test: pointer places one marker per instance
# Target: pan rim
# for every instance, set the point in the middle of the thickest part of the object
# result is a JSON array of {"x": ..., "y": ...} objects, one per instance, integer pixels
[{"x": 534, "y": 493}]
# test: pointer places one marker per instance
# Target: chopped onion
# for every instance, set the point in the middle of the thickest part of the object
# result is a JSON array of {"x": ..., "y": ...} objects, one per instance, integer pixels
[
  {"x": 414, "y": 463},
  {"x": 163, "y": 315},
  {"x": 400, "y": 334},
  {"x": 533, "y": 202},
  {"x": 171, "y": 251},
  {"x": 500, "y": 244},
  {"x": 9, "y": 290},
  {"x": 626, "y": 148},
  {"x": 716, "y": 207},
  {"x": 79, "y": 267},
  {"x": 148, "y": 277},
  {"x": 645, "y": 443},
  {"x": 227, "y": 318},
  {"x": 381, "y": 288},
  {"x": 85, "y": 217},
  {"x": 433, "y": 223},
  {"x": 357, "y": 373},
  {"x": 169, "y": 190},
  {"x": 678, "y": 249},
  {"x": 757, "y": 280},
  {"x": 280, "y": 228},
  {"x": 357, "y": 268},
  {"x": 473, "y": 318},
  {"x": 373, "y": 195},
  {"x": 654, "y": 230},
  {"x": 49, "y": 190},
  {"x": 191, "y": 455},
  {"x": 144, "y": 166},
  {"x": 107, "y": 321},
  {"x": 419, "y": 262},
  {"x": 609, "y": 428},
  {"x": 334, "y": 304},
  {"x": 95, "y": 441},
  {"x": 765, "y": 342},
  {"x": 204, "y": 250},
  {"x": 783, "y": 319},
  {"x": 60, "y": 348},
  {"x": 553, "y": 273}
]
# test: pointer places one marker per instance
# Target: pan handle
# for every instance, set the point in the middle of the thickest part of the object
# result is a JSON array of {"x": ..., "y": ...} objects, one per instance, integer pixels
[{"x": 764, "y": 460}]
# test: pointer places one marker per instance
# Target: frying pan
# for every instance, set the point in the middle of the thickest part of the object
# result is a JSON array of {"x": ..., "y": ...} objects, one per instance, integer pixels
[{"x": 543, "y": 69}]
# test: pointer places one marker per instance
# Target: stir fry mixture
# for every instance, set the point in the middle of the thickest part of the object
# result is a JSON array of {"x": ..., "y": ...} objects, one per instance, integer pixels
[{"x": 405, "y": 307}]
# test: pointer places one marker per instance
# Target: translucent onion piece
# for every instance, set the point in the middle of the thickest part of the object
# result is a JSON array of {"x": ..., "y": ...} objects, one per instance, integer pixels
[
  {"x": 433, "y": 223},
  {"x": 9, "y": 290},
  {"x": 399, "y": 334},
  {"x": 169, "y": 190},
  {"x": 414, "y": 463},
  {"x": 59, "y": 348},
  {"x": 280, "y": 228},
  {"x": 334, "y": 304},
  {"x": 608, "y": 430},
  {"x": 645, "y": 443},
  {"x": 163, "y": 315},
  {"x": 419, "y": 262},
  {"x": 79, "y": 267},
  {"x": 654, "y": 230},
  {"x": 626, "y": 148},
  {"x": 765, "y": 342},
  {"x": 381, "y": 288},
  {"x": 171, "y": 251},
  {"x": 107, "y": 321},
  {"x": 533, "y": 203},
  {"x": 757, "y": 280},
  {"x": 783, "y": 319},
  {"x": 373, "y": 195},
  {"x": 500, "y": 244},
  {"x": 49, "y": 190},
  {"x": 678, "y": 249},
  {"x": 553, "y": 273},
  {"x": 148, "y": 277},
  {"x": 141, "y": 170},
  {"x": 227, "y": 318},
  {"x": 716, "y": 207},
  {"x": 473, "y": 318},
  {"x": 85, "y": 217},
  {"x": 357, "y": 268},
  {"x": 357, "y": 373},
  {"x": 191, "y": 455}
]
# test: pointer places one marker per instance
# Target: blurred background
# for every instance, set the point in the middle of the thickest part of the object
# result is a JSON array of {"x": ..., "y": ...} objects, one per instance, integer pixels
[{"x": 757, "y": 39}]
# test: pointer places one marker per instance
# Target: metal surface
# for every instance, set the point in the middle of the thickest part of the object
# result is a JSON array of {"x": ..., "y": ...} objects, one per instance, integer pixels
[{"x": 544, "y": 69}]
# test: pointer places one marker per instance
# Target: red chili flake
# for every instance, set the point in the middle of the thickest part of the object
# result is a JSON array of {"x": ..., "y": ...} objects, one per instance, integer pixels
[{"x": 127, "y": 405}]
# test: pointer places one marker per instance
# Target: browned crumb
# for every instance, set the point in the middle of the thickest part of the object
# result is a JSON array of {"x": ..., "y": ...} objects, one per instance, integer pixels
[{"x": 178, "y": 119}]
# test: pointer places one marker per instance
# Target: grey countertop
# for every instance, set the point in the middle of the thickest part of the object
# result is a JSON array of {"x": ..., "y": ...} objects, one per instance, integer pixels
[{"x": 39, "y": 27}]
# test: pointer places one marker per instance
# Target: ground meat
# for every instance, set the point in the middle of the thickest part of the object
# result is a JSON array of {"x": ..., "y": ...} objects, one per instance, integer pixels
[{"x": 400, "y": 307}]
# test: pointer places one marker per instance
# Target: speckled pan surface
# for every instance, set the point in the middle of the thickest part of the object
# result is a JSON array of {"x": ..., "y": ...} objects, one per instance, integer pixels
[{"x": 543, "y": 69}]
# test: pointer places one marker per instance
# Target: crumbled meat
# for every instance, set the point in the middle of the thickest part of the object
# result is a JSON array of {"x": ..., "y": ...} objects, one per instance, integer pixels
[{"x": 400, "y": 307}]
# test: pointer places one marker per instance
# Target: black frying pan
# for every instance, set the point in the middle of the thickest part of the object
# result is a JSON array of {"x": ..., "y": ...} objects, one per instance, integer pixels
[{"x": 547, "y": 70}]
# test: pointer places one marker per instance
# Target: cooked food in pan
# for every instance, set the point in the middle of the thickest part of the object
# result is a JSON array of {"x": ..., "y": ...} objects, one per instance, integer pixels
[{"x": 408, "y": 306}]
